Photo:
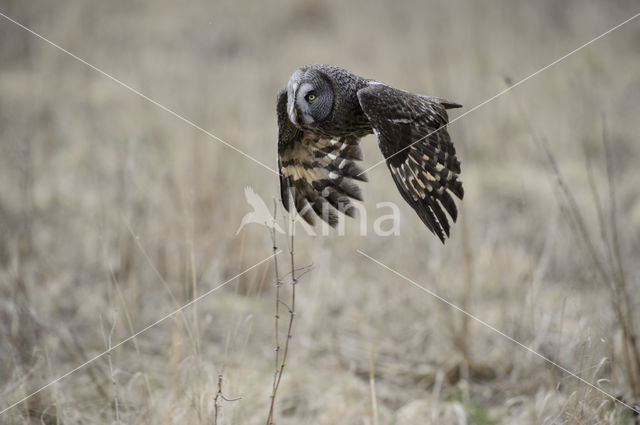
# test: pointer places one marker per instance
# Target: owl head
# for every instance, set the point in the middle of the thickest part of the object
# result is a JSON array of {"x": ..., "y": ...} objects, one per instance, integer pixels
[{"x": 309, "y": 97}]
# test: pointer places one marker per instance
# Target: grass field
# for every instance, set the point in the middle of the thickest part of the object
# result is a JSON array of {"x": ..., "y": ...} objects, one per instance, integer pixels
[{"x": 114, "y": 213}]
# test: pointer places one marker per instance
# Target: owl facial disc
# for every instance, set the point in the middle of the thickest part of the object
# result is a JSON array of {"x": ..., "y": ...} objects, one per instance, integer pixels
[
  {"x": 304, "y": 96},
  {"x": 309, "y": 98}
]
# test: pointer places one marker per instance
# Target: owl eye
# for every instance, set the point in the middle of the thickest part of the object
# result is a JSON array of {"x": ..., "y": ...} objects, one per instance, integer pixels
[{"x": 311, "y": 96}]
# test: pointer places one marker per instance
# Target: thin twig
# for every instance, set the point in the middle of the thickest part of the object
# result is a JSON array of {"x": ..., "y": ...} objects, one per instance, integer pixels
[
  {"x": 108, "y": 339},
  {"x": 609, "y": 269},
  {"x": 464, "y": 336},
  {"x": 278, "y": 283},
  {"x": 116, "y": 284},
  {"x": 372, "y": 387},
  {"x": 292, "y": 314},
  {"x": 617, "y": 264},
  {"x": 219, "y": 398},
  {"x": 216, "y": 401},
  {"x": 616, "y": 282}
]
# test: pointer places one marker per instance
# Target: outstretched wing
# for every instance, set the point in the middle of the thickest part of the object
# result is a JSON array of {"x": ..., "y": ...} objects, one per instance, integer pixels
[
  {"x": 412, "y": 135},
  {"x": 316, "y": 173}
]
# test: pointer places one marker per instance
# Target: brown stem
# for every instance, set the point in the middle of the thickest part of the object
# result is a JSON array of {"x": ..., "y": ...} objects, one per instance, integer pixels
[
  {"x": 278, "y": 283},
  {"x": 292, "y": 313},
  {"x": 609, "y": 269}
]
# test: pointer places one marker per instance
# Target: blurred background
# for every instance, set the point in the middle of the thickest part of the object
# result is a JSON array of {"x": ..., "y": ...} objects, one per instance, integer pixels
[{"x": 113, "y": 213}]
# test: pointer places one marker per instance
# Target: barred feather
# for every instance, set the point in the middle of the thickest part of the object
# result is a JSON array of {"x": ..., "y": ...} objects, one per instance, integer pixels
[
  {"x": 317, "y": 156},
  {"x": 317, "y": 173},
  {"x": 412, "y": 135}
]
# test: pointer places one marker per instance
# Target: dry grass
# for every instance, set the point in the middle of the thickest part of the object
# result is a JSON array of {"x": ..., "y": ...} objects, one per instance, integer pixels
[{"x": 114, "y": 213}]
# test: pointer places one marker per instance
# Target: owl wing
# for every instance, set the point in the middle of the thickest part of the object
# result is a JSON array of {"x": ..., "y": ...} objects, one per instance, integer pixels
[
  {"x": 317, "y": 173},
  {"x": 412, "y": 135}
]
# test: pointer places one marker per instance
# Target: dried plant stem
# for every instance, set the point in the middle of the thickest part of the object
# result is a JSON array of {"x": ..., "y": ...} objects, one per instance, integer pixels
[
  {"x": 280, "y": 363},
  {"x": 615, "y": 243},
  {"x": 608, "y": 271},
  {"x": 111, "y": 370},
  {"x": 278, "y": 283},
  {"x": 464, "y": 336},
  {"x": 217, "y": 401},
  {"x": 219, "y": 398},
  {"x": 372, "y": 387},
  {"x": 608, "y": 266}
]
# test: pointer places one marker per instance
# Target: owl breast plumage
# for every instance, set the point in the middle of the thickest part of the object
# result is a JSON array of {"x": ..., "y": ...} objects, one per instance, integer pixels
[{"x": 322, "y": 115}]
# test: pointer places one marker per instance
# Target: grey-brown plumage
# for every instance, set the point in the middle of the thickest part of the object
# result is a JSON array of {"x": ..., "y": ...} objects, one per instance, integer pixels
[{"x": 323, "y": 113}]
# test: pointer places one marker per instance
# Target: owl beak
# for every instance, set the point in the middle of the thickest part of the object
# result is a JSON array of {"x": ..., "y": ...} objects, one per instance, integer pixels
[{"x": 295, "y": 111}]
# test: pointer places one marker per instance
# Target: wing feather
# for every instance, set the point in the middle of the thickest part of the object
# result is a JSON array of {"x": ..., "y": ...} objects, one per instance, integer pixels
[
  {"x": 317, "y": 174},
  {"x": 413, "y": 138}
]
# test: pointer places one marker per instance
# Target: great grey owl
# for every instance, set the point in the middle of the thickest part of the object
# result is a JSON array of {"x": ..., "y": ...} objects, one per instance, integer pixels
[{"x": 323, "y": 113}]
